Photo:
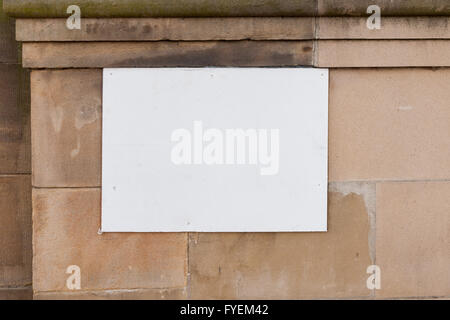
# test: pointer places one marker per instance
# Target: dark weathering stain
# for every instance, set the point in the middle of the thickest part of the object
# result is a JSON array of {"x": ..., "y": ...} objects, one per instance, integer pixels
[
  {"x": 105, "y": 27},
  {"x": 229, "y": 54},
  {"x": 147, "y": 29}
]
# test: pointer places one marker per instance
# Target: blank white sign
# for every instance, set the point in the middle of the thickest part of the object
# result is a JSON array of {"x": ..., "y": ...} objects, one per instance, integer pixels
[{"x": 214, "y": 149}]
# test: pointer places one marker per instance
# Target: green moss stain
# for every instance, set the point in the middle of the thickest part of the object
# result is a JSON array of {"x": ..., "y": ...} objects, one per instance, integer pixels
[
  {"x": 159, "y": 8},
  {"x": 221, "y": 8},
  {"x": 4, "y": 19},
  {"x": 388, "y": 7}
]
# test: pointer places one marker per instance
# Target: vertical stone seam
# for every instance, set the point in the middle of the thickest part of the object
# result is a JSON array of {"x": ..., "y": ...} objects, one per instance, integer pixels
[
  {"x": 33, "y": 241},
  {"x": 188, "y": 276},
  {"x": 375, "y": 239},
  {"x": 316, "y": 27}
]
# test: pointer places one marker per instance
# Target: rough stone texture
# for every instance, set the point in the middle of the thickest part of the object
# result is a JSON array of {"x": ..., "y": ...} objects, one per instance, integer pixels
[
  {"x": 162, "y": 8},
  {"x": 391, "y": 28},
  {"x": 153, "y": 29},
  {"x": 147, "y": 294},
  {"x": 382, "y": 53},
  {"x": 65, "y": 232},
  {"x": 413, "y": 239},
  {"x": 16, "y": 294},
  {"x": 389, "y": 124},
  {"x": 167, "y": 54},
  {"x": 8, "y": 46},
  {"x": 15, "y": 231},
  {"x": 15, "y": 155},
  {"x": 202, "y": 8},
  {"x": 66, "y": 127},
  {"x": 286, "y": 265}
]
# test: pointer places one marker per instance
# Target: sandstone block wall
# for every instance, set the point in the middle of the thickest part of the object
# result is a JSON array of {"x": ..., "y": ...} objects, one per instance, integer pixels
[
  {"x": 389, "y": 159},
  {"x": 15, "y": 169}
]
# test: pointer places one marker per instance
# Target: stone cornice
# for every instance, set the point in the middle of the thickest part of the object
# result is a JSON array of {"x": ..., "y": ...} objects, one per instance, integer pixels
[{"x": 222, "y": 8}]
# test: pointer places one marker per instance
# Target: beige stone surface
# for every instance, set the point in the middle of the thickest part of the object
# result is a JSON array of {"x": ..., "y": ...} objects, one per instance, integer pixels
[
  {"x": 167, "y": 54},
  {"x": 382, "y": 53},
  {"x": 16, "y": 294},
  {"x": 174, "y": 29},
  {"x": 15, "y": 230},
  {"x": 389, "y": 124},
  {"x": 391, "y": 28},
  {"x": 203, "y": 29},
  {"x": 15, "y": 137},
  {"x": 413, "y": 239},
  {"x": 286, "y": 265},
  {"x": 142, "y": 294},
  {"x": 66, "y": 127},
  {"x": 65, "y": 232}
]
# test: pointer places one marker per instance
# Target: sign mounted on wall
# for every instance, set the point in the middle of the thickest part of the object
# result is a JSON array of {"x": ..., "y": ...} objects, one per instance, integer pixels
[{"x": 214, "y": 150}]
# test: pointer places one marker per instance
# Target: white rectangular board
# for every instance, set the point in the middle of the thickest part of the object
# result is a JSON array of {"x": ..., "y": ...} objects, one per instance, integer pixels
[{"x": 214, "y": 149}]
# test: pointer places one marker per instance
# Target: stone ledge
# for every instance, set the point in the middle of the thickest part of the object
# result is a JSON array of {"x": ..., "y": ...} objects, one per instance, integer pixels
[
  {"x": 174, "y": 29},
  {"x": 327, "y": 54},
  {"x": 161, "y": 8},
  {"x": 382, "y": 53},
  {"x": 388, "y": 7},
  {"x": 167, "y": 54},
  {"x": 395, "y": 28},
  {"x": 222, "y": 8},
  {"x": 204, "y": 29}
]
